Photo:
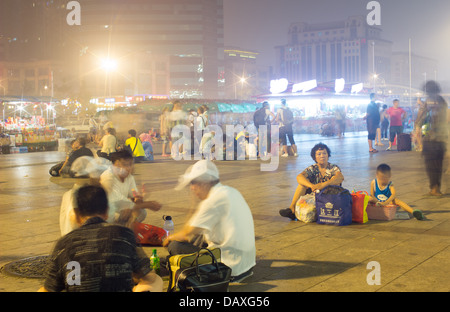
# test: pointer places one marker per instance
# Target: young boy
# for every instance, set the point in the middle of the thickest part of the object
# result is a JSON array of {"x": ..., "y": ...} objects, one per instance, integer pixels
[{"x": 383, "y": 192}]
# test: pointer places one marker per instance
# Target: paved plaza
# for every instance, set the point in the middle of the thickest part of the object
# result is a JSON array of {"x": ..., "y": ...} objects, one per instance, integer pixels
[{"x": 291, "y": 256}]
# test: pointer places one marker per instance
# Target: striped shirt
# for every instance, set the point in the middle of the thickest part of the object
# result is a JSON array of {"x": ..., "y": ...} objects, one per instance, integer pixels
[{"x": 106, "y": 256}]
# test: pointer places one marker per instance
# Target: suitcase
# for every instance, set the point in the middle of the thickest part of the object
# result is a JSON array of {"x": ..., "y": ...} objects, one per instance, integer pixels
[{"x": 404, "y": 142}]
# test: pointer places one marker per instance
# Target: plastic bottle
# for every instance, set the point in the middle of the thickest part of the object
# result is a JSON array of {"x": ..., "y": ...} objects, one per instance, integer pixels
[
  {"x": 154, "y": 262},
  {"x": 168, "y": 225}
]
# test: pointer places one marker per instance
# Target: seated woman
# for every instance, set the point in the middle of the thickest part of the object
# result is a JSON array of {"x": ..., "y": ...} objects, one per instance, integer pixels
[
  {"x": 315, "y": 177},
  {"x": 108, "y": 144}
]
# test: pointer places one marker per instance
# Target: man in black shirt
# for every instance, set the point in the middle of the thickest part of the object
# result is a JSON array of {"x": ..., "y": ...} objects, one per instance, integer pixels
[
  {"x": 98, "y": 256},
  {"x": 79, "y": 149},
  {"x": 373, "y": 122}
]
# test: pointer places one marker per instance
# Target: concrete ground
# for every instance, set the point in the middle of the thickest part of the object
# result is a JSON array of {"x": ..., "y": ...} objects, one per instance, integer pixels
[{"x": 291, "y": 256}]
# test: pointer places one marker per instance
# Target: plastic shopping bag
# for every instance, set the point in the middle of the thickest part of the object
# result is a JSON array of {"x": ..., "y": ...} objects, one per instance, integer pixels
[
  {"x": 305, "y": 209},
  {"x": 360, "y": 200}
]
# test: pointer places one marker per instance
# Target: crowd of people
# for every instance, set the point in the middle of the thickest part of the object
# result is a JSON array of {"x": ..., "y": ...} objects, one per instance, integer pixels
[
  {"x": 429, "y": 136},
  {"x": 105, "y": 210}
]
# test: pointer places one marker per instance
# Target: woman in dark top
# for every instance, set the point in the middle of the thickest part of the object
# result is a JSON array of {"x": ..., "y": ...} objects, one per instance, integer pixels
[{"x": 315, "y": 177}]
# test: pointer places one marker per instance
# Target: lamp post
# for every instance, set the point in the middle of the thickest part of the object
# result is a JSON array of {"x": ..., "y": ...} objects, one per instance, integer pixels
[
  {"x": 109, "y": 66},
  {"x": 242, "y": 80}
]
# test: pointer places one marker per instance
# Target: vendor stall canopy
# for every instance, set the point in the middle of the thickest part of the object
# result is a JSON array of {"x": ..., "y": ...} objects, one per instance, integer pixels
[
  {"x": 28, "y": 99},
  {"x": 213, "y": 107}
]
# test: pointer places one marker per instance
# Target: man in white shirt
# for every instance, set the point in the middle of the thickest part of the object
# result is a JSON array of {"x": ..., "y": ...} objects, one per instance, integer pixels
[
  {"x": 223, "y": 218},
  {"x": 125, "y": 204}
]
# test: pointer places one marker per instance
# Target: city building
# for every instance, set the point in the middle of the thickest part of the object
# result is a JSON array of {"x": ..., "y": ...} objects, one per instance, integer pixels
[
  {"x": 184, "y": 40},
  {"x": 170, "y": 47},
  {"x": 349, "y": 49},
  {"x": 33, "y": 78},
  {"x": 244, "y": 77},
  {"x": 422, "y": 69}
]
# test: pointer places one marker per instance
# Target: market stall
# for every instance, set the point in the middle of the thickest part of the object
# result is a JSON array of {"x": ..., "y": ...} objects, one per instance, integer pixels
[
  {"x": 28, "y": 125},
  {"x": 316, "y": 110}
]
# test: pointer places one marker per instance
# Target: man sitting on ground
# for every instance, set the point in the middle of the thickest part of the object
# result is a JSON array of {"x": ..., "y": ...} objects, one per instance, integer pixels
[
  {"x": 126, "y": 205},
  {"x": 222, "y": 220},
  {"x": 110, "y": 261}
]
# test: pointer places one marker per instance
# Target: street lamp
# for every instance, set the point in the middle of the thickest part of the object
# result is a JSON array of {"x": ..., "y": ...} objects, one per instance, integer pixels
[
  {"x": 242, "y": 80},
  {"x": 109, "y": 65}
]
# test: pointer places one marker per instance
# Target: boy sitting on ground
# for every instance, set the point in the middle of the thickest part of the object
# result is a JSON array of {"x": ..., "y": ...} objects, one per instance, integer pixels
[{"x": 383, "y": 193}]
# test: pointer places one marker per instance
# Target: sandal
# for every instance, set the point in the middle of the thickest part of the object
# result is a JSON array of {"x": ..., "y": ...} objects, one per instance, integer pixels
[{"x": 373, "y": 151}]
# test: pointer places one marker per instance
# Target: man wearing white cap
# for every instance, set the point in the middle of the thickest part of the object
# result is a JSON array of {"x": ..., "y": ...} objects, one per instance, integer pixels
[{"x": 223, "y": 218}]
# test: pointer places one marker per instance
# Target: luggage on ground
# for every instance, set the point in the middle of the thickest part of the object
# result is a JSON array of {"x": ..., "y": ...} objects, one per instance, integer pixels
[
  {"x": 334, "y": 206},
  {"x": 385, "y": 213},
  {"x": 198, "y": 272},
  {"x": 404, "y": 142}
]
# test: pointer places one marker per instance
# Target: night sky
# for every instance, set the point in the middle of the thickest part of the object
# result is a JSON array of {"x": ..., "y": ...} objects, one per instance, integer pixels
[{"x": 263, "y": 24}]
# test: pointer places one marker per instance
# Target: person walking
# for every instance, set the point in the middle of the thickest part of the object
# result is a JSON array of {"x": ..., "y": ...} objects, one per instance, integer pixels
[
  {"x": 433, "y": 115},
  {"x": 164, "y": 130},
  {"x": 285, "y": 118},
  {"x": 373, "y": 121},
  {"x": 384, "y": 122}
]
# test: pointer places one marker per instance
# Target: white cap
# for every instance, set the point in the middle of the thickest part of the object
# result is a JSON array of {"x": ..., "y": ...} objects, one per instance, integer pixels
[{"x": 203, "y": 170}]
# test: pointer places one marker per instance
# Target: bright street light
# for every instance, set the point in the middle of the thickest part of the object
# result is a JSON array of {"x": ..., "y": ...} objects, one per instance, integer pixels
[{"x": 109, "y": 65}]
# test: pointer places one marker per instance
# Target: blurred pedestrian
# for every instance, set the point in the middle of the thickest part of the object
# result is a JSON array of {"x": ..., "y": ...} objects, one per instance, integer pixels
[
  {"x": 206, "y": 114},
  {"x": 433, "y": 118},
  {"x": 285, "y": 118},
  {"x": 384, "y": 122},
  {"x": 177, "y": 117},
  {"x": 147, "y": 144},
  {"x": 340, "y": 116},
  {"x": 373, "y": 122},
  {"x": 164, "y": 130}
]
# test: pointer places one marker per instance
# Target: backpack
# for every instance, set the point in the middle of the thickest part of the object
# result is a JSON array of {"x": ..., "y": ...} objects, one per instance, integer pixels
[
  {"x": 288, "y": 116},
  {"x": 259, "y": 118}
]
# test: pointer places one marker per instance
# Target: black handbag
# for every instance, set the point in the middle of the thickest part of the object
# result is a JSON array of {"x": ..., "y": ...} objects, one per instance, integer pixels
[{"x": 209, "y": 277}]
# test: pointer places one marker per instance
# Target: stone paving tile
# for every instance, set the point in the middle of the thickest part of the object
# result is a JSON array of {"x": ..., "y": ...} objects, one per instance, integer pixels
[{"x": 291, "y": 256}]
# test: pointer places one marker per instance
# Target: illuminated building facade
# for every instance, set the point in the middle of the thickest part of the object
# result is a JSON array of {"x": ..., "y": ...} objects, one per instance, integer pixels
[
  {"x": 183, "y": 39},
  {"x": 349, "y": 49}
]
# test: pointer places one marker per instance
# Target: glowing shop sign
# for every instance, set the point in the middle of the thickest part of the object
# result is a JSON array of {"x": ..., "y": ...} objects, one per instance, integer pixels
[
  {"x": 304, "y": 86},
  {"x": 278, "y": 86},
  {"x": 339, "y": 85},
  {"x": 357, "y": 88}
]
